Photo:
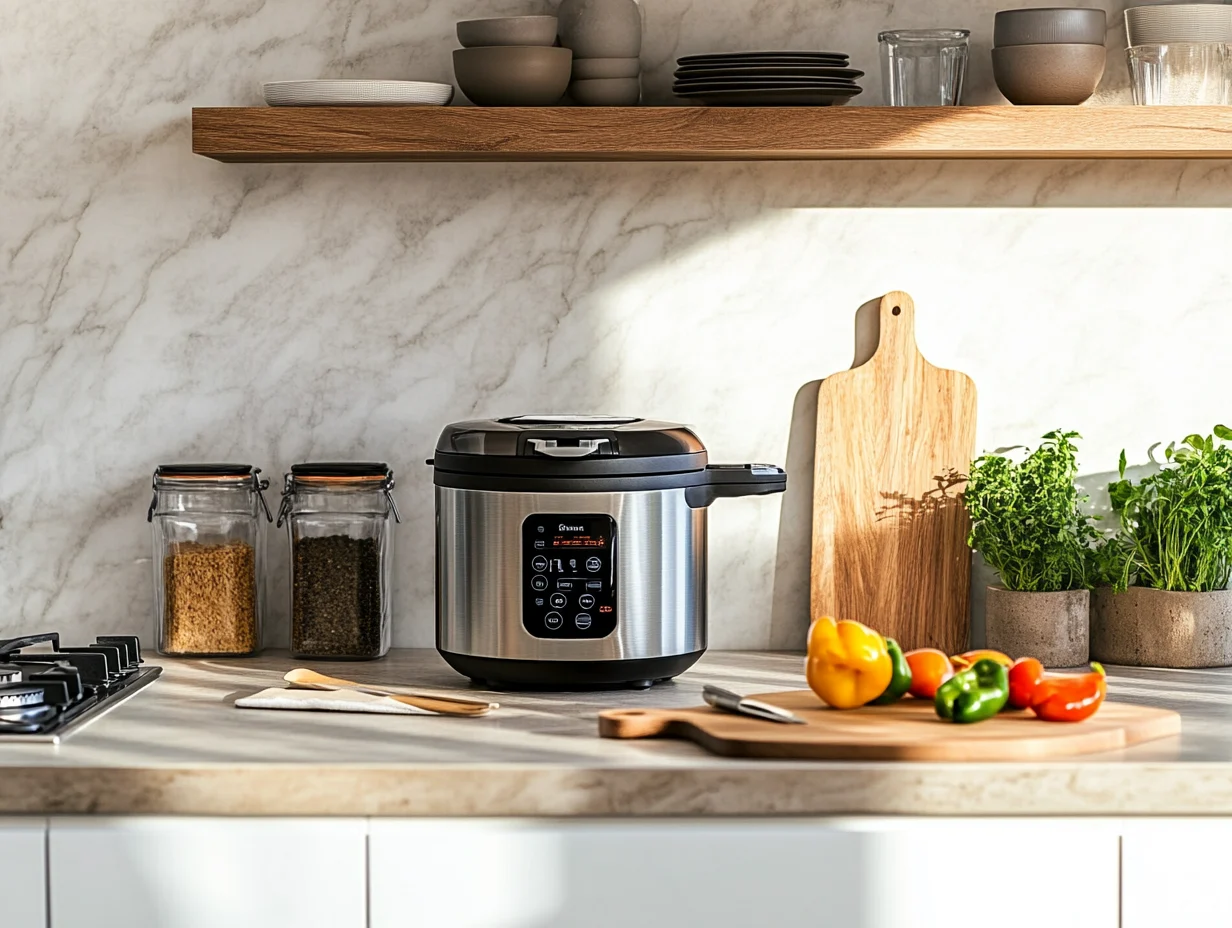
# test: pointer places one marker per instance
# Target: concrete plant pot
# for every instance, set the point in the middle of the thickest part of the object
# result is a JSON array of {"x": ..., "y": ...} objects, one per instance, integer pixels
[
  {"x": 1053, "y": 627},
  {"x": 1145, "y": 627}
]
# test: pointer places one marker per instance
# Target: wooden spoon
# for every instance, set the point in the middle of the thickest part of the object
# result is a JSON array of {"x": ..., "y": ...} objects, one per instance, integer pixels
[{"x": 445, "y": 705}]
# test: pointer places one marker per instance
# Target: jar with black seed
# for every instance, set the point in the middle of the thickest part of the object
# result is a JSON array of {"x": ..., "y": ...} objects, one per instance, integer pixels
[{"x": 340, "y": 517}]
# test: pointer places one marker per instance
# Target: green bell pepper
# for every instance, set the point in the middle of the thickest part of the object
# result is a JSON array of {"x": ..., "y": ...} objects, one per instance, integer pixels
[
  {"x": 900, "y": 682},
  {"x": 974, "y": 694}
]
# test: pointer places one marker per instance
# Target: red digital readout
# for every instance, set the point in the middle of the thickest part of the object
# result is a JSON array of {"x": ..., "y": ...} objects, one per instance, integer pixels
[{"x": 578, "y": 541}]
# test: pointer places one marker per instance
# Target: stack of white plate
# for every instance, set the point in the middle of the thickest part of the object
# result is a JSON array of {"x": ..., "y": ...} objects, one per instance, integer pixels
[
  {"x": 777, "y": 78},
  {"x": 357, "y": 93}
]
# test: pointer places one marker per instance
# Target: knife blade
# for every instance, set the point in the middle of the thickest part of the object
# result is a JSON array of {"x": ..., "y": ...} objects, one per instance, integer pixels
[{"x": 728, "y": 701}]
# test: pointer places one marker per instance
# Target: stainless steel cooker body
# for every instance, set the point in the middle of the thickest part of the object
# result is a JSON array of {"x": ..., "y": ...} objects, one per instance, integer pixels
[{"x": 658, "y": 566}]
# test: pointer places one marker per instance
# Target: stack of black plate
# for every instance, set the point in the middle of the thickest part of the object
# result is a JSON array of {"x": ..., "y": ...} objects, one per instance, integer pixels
[{"x": 767, "y": 79}]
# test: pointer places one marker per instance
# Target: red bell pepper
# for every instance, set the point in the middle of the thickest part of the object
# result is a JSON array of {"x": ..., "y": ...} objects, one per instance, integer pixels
[
  {"x": 1070, "y": 698},
  {"x": 1025, "y": 676}
]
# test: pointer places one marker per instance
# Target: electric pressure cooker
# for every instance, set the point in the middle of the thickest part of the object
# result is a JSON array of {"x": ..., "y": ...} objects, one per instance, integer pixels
[{"x": 571, "y": 550}]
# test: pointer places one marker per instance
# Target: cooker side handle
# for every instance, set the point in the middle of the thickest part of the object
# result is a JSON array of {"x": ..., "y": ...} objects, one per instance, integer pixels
[{"x": 728, "y": 480}]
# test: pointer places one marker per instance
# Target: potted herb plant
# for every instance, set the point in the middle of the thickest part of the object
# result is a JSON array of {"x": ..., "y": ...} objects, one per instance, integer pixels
[
  {"x": 1169, "y": 563},
  {"x": 1027, "y": 523}
]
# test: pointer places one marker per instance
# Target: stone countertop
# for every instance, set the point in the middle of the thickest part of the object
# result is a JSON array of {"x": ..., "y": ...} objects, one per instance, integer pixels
[{"x": 181, "y": 747}]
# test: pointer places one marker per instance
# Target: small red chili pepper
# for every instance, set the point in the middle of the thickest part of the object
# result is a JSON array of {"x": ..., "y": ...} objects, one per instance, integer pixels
[
  {"x": 1070, "y": 698},
  {"x": 1025, "y": 676}
]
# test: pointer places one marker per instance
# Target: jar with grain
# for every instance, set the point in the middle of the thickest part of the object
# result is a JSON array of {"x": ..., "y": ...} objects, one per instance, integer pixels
[
  {"x": 338, "y": 519},
  {"x": 208, "y": 558}
]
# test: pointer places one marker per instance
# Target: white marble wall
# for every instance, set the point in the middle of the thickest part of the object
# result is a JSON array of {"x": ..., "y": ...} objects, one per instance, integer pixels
[{"x": 155, "y": 306}]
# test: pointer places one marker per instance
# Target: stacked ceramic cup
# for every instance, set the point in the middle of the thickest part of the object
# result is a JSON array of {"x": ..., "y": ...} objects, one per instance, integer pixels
[
  {"x": 1051, "y": 56},
  {"x": 606, "y": 39},
  {"x": 1180, "y": 54}
]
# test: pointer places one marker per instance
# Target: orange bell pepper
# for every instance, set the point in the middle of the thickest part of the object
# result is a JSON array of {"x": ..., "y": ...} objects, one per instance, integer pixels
[
  {"x": 968, "y": 658},
  {"x": 1070, "y": 698},
  {"x": 929, "y": 669},
  {"x": 848, "y": 664}
]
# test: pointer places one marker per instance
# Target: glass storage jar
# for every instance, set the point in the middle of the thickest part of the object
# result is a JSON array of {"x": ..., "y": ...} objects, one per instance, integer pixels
[
  {"x": 338, "y": 520},
  {"x": 209, "y": 555}
]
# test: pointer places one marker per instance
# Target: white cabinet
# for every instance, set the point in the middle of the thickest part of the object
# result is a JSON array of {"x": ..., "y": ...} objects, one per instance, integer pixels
[
  {"x": 207, "y": 873},
  {"x": 23, "y": 862},
  {"x": 847, "y": 873},
  {"x": 1174, "y": 871}
]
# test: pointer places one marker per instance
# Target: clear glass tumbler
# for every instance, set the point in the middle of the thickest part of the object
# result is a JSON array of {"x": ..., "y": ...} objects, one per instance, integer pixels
[
  {"x": 923, "y": 67},
  {"x": 1181, "y": 74}
]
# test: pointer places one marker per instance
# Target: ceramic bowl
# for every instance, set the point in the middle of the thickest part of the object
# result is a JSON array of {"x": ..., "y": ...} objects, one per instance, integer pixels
[
  {"x": 588, "y": 69},
  {"x": 507, "y": 30},
  {"x": 1048, "y": 74},
  {"x": 608, "y": 91},
  {"x": 1049, "y": 26},
  {"x": 601, "y": 28},
  {"x": 510, "y": 75}
]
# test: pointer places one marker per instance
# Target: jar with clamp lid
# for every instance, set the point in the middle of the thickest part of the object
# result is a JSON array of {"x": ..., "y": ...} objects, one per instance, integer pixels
[
  {"x": 338, "y": 517},
  {"x": 209, "y": 557}
]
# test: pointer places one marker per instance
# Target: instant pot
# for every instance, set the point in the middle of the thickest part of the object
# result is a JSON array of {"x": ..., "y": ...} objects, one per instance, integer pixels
[{"x": 571, "y": 550}]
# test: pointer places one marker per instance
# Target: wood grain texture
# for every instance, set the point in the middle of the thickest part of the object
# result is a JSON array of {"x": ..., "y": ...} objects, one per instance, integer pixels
[
  {"x": 685, "y": 133},
  {"x": 908, "y": 730},
  {"x": 895, "y": 436}
]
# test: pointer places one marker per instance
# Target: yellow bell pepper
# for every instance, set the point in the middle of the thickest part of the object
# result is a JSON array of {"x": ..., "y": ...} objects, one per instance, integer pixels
[{"x": 848, "y": 663}]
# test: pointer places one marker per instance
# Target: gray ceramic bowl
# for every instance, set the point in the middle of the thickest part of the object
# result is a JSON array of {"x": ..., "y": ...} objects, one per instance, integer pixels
[
  {"x": 1049, "y": 26},
  {"x": 1048, "y": 75},
  {"x": 589, "y": 69},
  {"x": 608, "y": 91},
  {"x": 510, "y": 75},
  {"x": 507, "y": 30},
  {"x": 601, "y": 28}
]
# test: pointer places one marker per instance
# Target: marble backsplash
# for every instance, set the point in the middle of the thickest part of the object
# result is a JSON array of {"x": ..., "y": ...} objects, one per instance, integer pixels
[{"x": 156, "y": 306}]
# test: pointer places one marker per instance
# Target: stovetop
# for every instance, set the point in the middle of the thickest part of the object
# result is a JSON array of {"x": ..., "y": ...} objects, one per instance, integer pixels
[{"x": 48, "y": 692}]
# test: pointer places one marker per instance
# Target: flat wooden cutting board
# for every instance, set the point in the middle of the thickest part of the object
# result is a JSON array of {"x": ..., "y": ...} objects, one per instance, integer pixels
[
  {"x": 895, "y": 438},
  {"x": 908, "y": 730}
]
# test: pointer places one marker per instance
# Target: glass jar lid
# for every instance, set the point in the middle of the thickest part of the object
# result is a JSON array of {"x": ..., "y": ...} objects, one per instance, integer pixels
[
  {"x": 189, "y": 477},
  {"x": 338, "y": 477}
]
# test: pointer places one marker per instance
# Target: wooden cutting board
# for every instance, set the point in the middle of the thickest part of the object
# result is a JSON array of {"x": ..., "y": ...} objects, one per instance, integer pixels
[
  {"x": 908, "y": 730},
  {"x": 895, "y": 437}
]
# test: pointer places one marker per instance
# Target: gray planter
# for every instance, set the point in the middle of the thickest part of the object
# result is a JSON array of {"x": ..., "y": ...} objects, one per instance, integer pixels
[
  {"x": 1143, "y": 627},
  {"x": 1053, "y": 627}
]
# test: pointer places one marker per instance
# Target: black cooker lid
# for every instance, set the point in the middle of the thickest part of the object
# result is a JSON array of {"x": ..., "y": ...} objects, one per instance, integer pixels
[{"x": 574, "y": 446}]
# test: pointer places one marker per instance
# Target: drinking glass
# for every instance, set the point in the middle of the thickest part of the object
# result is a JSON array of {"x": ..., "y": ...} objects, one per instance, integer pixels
[
  {"x": 923, "y": 67},
  {"x": 1181, "y": 74}
]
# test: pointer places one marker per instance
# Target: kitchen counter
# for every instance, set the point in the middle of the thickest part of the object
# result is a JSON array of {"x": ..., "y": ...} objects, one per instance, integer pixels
[{"x": 181, "y": 747}]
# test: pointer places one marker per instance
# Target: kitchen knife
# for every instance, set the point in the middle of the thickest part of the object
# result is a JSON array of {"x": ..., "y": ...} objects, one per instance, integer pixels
[{"x": 733, "y": 702}]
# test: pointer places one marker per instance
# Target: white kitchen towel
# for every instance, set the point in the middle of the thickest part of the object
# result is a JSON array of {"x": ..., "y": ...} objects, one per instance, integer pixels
[{"x": 327, "y": 701}]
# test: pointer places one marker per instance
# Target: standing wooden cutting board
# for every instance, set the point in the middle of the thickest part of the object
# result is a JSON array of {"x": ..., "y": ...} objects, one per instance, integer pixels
[{"x": 895, "y": 437}]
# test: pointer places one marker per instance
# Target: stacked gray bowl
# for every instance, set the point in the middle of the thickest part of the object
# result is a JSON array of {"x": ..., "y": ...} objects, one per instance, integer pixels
[
  {"x": 606, "y": 39},
  {"x": 1051, "y": 56}
]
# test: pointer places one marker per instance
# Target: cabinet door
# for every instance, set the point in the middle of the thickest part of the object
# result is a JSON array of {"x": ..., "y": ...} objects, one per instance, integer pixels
[
  {"x": 207, "y": 873},
  {"x": 1173, "y": 872},
  {"x": 23, "y": 861},
  {"x": 846, "y": 873}
]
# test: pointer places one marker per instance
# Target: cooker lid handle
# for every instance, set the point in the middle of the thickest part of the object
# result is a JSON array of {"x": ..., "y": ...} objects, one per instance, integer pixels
[
  {"x": 553, "y": 449},
  {"x": 729, "y": 480}
]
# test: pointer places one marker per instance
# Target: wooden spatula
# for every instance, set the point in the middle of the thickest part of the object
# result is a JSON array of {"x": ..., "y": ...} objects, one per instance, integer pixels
[{"x": 445, "y": 705}]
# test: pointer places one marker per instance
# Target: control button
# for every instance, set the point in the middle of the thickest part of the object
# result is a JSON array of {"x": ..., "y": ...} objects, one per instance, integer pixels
[
  {"x": 586, "y": 601},
  {"x": 539, "y": 564},
  {"x": 595, "y": 585},
  {"x": 565, "y": 584},
  {"x": 593, "y": 564},
  {"x": 556, "y": 620},
  {"x": 540, "y": 543},
  {"x": 581, "y": 620},
  {"x": 539, "y": 582},
  {"x": 558, "y": 600},
  {"x": 539, "y": 600}
]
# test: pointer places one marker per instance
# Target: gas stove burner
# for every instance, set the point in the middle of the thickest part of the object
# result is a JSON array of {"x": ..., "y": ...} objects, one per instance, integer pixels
[{"x": 47, "y": 692}]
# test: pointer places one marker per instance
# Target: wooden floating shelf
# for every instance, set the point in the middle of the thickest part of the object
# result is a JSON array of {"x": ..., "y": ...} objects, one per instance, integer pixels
[{"x": 687, "y": 133}]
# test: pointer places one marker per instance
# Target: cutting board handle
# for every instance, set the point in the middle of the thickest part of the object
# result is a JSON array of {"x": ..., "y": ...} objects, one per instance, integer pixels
[
  {"x": 634, "y": 723},
  {"x": 896, "y": 330}
]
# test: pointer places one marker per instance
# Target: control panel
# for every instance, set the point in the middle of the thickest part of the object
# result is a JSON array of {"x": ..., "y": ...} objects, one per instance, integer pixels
[{"x": 569, "y": 575}]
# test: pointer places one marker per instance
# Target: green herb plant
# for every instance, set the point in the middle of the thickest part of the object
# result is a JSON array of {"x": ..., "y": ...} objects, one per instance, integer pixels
[
  {"x": 1176, "y": 524},
  {"x": 1027, "y": 520}
]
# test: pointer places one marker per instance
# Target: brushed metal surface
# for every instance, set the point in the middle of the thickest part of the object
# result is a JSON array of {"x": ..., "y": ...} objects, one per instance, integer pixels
[{"x": 660, "y": 584}]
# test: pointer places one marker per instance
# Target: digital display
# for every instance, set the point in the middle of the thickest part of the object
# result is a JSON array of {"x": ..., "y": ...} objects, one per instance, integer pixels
[{"x": 578, "y": 541}]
